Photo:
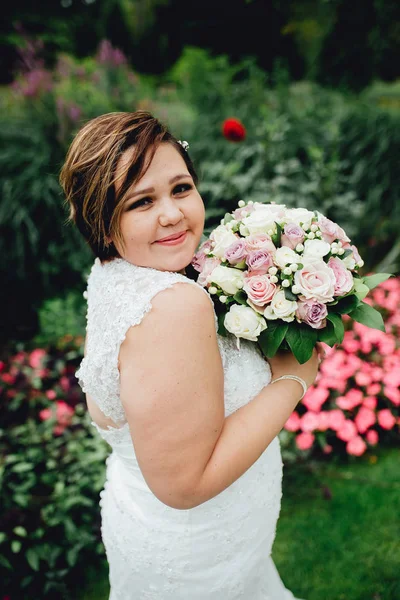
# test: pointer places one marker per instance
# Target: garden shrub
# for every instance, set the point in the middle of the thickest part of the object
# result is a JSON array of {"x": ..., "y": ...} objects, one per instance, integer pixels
[{"x": 51, "y": 473}]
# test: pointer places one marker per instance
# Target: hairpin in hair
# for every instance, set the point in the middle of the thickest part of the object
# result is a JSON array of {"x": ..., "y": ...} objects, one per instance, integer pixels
[{"x": 184, "y": 144}]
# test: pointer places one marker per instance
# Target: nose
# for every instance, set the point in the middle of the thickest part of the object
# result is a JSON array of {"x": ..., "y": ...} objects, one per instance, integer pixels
[{"x": 170, "y": 213}]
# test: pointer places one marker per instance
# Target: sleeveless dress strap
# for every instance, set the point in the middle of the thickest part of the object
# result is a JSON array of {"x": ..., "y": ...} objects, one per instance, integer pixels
[{"x": 119, "y": 295}]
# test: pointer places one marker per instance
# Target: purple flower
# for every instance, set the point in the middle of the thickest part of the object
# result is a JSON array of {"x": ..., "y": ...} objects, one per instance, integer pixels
[
  {"x": 312, "y": 313},
  {"x": 260, "y": 261},
  {"x": 292, "y": 235},
  {"x": 236, "y": 252}
]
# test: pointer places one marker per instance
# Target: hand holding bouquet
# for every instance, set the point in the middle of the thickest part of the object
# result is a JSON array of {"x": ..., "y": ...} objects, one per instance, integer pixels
[{"x": 284, "y": 277}]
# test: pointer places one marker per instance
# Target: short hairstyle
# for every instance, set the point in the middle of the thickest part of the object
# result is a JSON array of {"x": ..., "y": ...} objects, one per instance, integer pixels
[{"x": 88, "y": 174}]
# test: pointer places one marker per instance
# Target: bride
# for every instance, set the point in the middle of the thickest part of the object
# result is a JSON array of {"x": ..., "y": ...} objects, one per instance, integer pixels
[{"x": 193, "y": 491}]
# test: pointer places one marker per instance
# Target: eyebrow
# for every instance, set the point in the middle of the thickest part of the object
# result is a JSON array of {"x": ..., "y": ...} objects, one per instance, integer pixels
[{"x": 150, "y": 190}]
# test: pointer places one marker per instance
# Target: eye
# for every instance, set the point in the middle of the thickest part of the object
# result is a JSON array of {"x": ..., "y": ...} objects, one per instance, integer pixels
[
  {"x": 141, "y": 202},
  {"x": 181, "y": 188}
]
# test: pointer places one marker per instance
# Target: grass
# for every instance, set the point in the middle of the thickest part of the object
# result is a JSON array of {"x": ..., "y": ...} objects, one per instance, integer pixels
[{"x": 338, "y": 536}]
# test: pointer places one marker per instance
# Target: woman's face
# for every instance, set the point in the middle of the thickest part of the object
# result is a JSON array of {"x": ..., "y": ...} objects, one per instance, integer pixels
[{"x": 163, "y": 203}]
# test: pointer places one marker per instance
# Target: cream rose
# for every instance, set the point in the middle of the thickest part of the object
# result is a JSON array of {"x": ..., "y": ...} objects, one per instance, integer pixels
[
  {"x": 316, "y": 280},
  {"x": 229, "y": 279},
  {"x": 286, "y": 256},
  {"x": 299, "y": 215},
  {"x": 263, "y": 218},
  {"x": 222, "y": 238},
  {"x": 281, "y": 308},
  {"x": 243, "y": 322}
]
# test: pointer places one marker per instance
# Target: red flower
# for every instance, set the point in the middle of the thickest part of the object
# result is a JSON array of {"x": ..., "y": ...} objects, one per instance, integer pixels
[{"x": 233, "y": 130}]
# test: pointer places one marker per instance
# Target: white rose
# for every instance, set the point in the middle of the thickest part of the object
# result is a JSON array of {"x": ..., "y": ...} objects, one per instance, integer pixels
[
  {"x": 244, "y": 322},
  {"x": 286, "y": 256},
  {"x": 223, "y": 238},
  {"x": 299, "y": 215},
  {"x": 230, "y": 280},
  {"x": 281, "y": 308},
  {"x": 263, "y": 218},
  {"x": 316, "y": 248}
]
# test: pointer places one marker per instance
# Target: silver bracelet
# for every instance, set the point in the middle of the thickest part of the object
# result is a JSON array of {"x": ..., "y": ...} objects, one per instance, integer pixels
[{"x": 295, "y": 378}]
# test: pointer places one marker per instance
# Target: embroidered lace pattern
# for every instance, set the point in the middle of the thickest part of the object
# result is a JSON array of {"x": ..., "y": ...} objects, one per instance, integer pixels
[{"x": 217, "y": 550}]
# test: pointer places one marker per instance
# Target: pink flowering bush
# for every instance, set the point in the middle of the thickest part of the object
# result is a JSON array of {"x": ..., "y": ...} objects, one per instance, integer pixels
[
  {"x": 355, "y": 402},
  {"x": 52, "y": 470}
]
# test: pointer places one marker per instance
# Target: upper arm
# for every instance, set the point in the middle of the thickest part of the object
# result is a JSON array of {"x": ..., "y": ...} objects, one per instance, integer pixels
[{"x": 171, "y": 382}]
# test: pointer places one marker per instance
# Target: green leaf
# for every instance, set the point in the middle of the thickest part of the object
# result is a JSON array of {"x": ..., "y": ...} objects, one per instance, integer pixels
[
  {"x": 327, "y": 334},
  {"x": 5, "y": 562},
  {"x": 301, "y": 340},
  {"x": 346, "y": 304},
  {"x": 346, "y": 253},
  {"x": 338, "y": 326},
  {"x": 289, "y": 295},
  {"x": 373, "y": 280},
  {"x": 221, "y": 327},
  {"x": 33, "y": 559},
  {"x": 16, "y": 546},
  {"x": 276, "y": 238},
  {"x": 241, "y": 297},
  {"x": 228, "y": 217},
  {"x": 271, "y": 338},
  {"x": 360, "y": 289},
  {"x": 365, "y": 314},
  {"x": 21, "y": 531}
]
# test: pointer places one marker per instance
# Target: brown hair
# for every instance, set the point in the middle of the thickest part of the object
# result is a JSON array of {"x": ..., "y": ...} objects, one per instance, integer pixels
[{"x": 88, "y": 174}]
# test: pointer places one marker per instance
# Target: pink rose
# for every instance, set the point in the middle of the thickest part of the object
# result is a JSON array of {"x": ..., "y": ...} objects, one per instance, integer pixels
[
  {"x": 236, "y": 252},
  {"x": 292, "y": 235},
  {"x": 365, "y": 418},
  {"x": 385, "y": 419},
  {"x": 328, "y": 228},
  {"x": 316, "y": 280},
  {"x": 347, "y": 431},
  {"x": 343, "y": 277},
  {"x": 260, "y": 261},
  {"x": 209, "y": 265},
  {"x": 259, "y": 241},
  {"x": 200, "y": 256},
  {"x": 356, "y": 254},
  {"x": 356, "y": 446},
  {"x": 305, "y": 440},
  {"x": 238, "y": 213},
  {"x": 293, "y": 422},
  {"x": 259, "y": 289},
  {"x": 313, "y": 313},
  {"x": 372, "y": 437}
]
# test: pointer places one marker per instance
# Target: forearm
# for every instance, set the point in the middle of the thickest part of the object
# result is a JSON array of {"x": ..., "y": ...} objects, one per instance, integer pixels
[{"x": 245, "y": 435}]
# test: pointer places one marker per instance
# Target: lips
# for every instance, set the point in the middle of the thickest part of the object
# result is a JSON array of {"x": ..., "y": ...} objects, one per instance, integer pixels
[{"x": 170, "y": 238}]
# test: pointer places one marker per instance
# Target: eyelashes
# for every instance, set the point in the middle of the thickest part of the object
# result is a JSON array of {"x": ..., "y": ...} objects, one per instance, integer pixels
[{"x": 181, "y": 188}]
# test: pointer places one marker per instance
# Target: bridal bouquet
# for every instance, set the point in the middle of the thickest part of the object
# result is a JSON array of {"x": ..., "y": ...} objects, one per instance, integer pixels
[{"x": 284, "y": 278}]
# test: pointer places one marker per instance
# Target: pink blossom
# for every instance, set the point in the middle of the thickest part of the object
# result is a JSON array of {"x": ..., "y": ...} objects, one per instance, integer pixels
[
  {"x": 392, "y": 379},
  {"x": 365, "y": 418},
  {"x": 336, "y": 419},
  {"x": 51, "y": 394},
  {"x": 372, "y": 437},
  {"x": 305, "y": 440},
  {"x": 63, "y": 413},
  {"x": 352, "y": 399},
  {"x": 362, "y": 379},
  {"x": 315, "y": 398},
  {"x": 385, "y": 419},
  {"x": 293, "y": 422},
  {"x": 309, "y": 421},
  {"x": 370, "y": 402},
  {"x": 393, "y": 394},
  {"x": 241, "y": 213},
  {"x": 324, "y": 421},
  {"x": 328, "y": 228},
  {"x": 373, "y": 389},
  {"x": 347, "y": 431},
  {"x": 36, "y": 358},
  {"x": 65, "y": 383},
  {"x": 356, "y": 446},
  {"x": 292, "y": 235},
  {"x": 327, "y": 449},
  {"x": 8, "y": 378},
  {"x": 350, "y": 344},
  {"x": 200, "y": 257},
  {"x": 46, "y": 414},
  {"x": 343, "y": 277}
]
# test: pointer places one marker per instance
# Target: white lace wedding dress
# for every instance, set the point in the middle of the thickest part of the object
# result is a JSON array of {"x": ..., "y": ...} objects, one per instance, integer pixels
[{"x": 219, "y": 550}]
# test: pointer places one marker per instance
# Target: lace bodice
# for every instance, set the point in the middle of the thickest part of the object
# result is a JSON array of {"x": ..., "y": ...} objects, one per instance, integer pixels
[{"x": 220, "y": 549}]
